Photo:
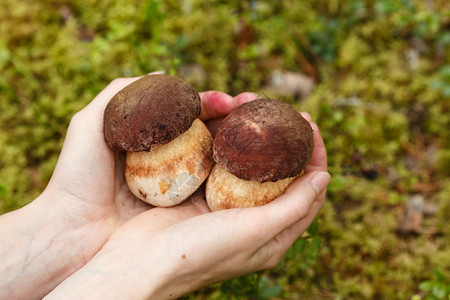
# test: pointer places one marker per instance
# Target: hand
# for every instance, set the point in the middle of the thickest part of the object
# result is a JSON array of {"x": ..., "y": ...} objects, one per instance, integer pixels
[
  {"x": 88, "y": 181},
  {"x": 167, "y": 252},
  {"x": 85, "y": 201}
]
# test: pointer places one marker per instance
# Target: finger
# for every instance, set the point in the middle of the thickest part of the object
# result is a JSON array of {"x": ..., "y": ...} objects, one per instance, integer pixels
[
  {"x": 92, "y": 114},
  {"x": 90, "y": 119},
  {"x": 215, "y": 105},
  {"x": 213, "y": 119},
  {"x": 307, "y": 116},
  {"x": 292, "y": 233},
  {"x": 245, "y": 97},
  {"x": 281, "y": 243},
  {"x": 101, "y": 100},
  {"x": 294, "y": 205},
  {"x": 318, "y": 161}
]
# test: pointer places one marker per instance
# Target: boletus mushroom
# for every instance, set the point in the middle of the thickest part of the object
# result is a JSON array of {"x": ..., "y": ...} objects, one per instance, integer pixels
[
  {"x": 259, "y": 150},
  {"x": 168, "y": 149}
]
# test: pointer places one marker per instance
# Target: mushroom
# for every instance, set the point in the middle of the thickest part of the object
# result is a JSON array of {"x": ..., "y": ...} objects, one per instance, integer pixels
[
  {"x": 259, "y": 150},
  {"x": 168, "y": 149}
]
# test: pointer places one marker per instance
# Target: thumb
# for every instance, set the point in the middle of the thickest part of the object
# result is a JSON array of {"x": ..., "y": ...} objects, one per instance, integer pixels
[{"x": 295, "y": 203}]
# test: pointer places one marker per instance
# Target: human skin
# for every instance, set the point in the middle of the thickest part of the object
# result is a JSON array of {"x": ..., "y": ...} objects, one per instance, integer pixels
[{"x": 87, "y": 217}]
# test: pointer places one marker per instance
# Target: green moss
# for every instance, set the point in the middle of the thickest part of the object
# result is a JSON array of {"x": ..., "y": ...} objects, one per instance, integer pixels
[{"x": 381, "y": 101}]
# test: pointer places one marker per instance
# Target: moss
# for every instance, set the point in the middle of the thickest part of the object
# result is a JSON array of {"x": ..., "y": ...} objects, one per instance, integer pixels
[{"x": 381, "y": 102}]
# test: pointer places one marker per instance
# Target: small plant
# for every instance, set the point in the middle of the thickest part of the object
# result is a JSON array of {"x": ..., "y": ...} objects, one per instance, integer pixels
[
  {"x": 436, "y": 288},
  {"x": 442, "y": 83},
  {"x": 304, "y": 251},
  {"x": 253, "y": 286},
  {"x": 2, "y": 190},
  {"x": 267, "y": 285}
]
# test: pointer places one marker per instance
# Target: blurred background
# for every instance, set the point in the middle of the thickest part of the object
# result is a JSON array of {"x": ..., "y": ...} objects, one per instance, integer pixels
[{"x": 374, "y": 75}]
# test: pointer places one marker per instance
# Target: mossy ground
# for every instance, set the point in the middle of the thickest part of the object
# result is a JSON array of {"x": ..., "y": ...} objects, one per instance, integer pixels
[{"x": 381, "y": 99}]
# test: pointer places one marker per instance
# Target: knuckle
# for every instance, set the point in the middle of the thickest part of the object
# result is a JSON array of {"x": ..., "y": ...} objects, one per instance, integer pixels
[
  {"x": 301, "y": 211},
  {"x": 80, "y": 118},
  {"x": 275, "y": 253},
  {"x": 274, "y": 261},
  {"x": 77, "y": 117}
]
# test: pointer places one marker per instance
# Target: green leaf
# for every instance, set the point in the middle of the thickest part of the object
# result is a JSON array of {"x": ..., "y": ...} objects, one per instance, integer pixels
[
  {"x": 314, "y": 249},
  {"x": 446, "y": 91},
  {"x": 2, "y": 190},
  {"x": 444, "y": 72},
  {"x": 5, "y": 55},
  {"x": 444, "y": 38},
  {"x": 426, "y": 286},
  {"x": 313, "y": 229},
  {"x": 267, "y": 290},
  {"x": 337, "y": 183},
  {"x": 439, "y": 290},
  {"x": 386, "y": 7},
  {"x": 439, "y": 275}
]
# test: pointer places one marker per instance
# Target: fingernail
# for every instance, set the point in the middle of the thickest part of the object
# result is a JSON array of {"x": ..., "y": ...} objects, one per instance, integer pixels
[
  {"x": 245, "y": 97},
  {"x": 320, "y": 181},
  {"x": 307, "y": 116},
  {"x": 156, "y": 73}
]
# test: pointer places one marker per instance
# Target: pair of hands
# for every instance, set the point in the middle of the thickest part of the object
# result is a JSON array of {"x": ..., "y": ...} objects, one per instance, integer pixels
[{"x": 116, "y": 246}]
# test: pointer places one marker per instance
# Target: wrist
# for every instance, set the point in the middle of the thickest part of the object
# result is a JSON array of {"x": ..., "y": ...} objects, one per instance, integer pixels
[
  {"x": 117, "y": 272},
  {"x": 38, "y": 249},
  {"x": 114, "y": 274}
]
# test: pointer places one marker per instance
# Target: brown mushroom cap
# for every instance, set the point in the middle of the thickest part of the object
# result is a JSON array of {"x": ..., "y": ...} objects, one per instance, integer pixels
[
  {"x": 264, "y": 140},
  {"x": 151, "y": 111}
]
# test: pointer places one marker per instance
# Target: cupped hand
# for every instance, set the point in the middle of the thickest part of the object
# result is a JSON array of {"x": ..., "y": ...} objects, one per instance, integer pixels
[
  {"x": 167, "y": 252},
  {"x": 88, "y": 188}
]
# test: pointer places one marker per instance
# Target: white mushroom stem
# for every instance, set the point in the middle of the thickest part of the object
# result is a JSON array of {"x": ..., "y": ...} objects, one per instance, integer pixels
[
  {"x": 224, "y": 190},
  {"x": 168, "y": 174}
]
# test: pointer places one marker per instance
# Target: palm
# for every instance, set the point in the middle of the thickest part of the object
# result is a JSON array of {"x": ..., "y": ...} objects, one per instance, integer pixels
[
  {"x": 88, "y": 182},
  {"x": 89, "y": 188}
]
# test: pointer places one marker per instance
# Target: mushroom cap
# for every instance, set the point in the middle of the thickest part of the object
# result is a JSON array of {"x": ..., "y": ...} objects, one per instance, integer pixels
[
  {"x": 264, "y": 140},
  {"x": 150, "y": 112}
]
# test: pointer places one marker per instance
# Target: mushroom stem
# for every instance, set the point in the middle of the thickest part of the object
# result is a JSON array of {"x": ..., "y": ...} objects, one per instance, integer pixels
[
  {"x": 170, "y": 173},
  {"x": 224, "y": 190}
]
